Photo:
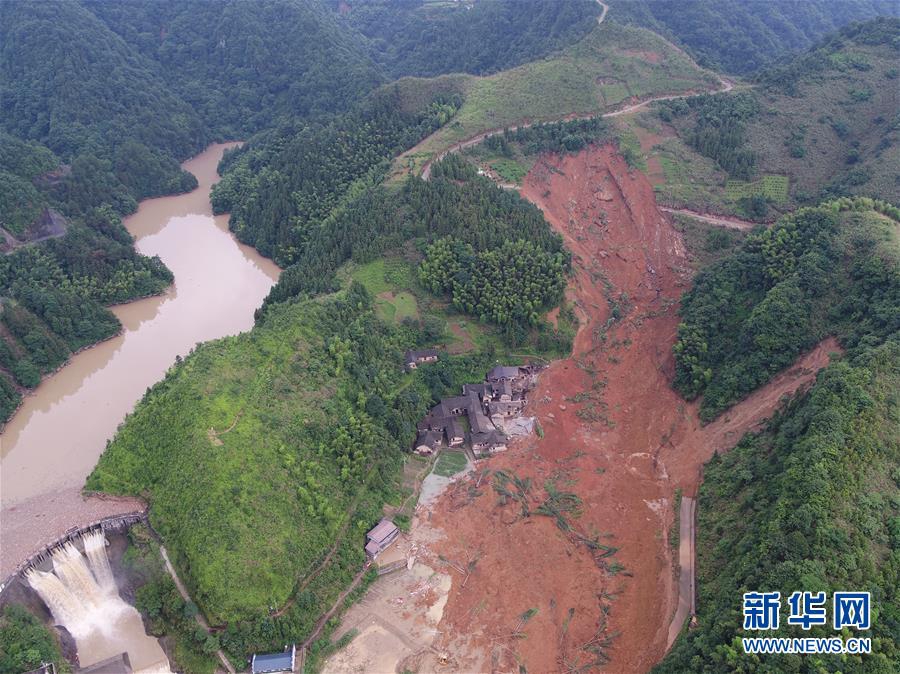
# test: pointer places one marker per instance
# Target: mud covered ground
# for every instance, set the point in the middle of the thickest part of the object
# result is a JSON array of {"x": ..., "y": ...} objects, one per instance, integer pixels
[{"x": 614, "y": 432}]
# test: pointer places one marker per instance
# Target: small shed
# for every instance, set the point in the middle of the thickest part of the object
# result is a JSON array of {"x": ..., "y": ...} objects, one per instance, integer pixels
[
  {"x": 413, "y": 358},
  {"x": 273, "y": 663}
]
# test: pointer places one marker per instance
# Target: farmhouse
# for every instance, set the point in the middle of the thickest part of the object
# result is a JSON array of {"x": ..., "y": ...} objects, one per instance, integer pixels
[
  {"x": 413, "y": 358},
  {"x": 505, "y": 408},
  {"x": 484, "y": 444},
  {"x": 500, "y": 397},
  {"x": 427, "y": 442},
  {"x": 380, "y": 537},
  {"x": 274, "y": 663},
  {"x": 502, "y": 373}
]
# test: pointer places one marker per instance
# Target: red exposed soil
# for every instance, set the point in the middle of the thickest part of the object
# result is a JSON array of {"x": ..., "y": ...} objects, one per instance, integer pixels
[{"x": 615, "y": 432}]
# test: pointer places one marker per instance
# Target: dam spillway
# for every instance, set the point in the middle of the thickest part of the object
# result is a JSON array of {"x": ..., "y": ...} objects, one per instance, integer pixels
[{"x": 82, "y": 595}]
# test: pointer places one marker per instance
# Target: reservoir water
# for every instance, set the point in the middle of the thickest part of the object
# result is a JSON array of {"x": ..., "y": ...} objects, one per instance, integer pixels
[
  {"x": 54, "y": 440},
  {"x": 57, "y": 435}
]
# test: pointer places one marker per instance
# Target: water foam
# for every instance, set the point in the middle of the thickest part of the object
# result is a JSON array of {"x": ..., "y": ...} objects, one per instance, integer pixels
[{"x": 81, "y": 594}]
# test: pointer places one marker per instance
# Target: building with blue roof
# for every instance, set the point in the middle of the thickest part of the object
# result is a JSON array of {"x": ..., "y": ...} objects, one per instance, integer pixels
[{"x": 273, "y": 663}]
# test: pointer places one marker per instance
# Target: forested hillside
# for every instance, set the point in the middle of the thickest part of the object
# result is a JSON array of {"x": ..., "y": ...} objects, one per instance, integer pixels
[
  {"x": 740, "y": 37},
  {"x": 53, "y": 297},
  {"x": 285, "y": 183},
  {"x": 414, "y": 37},
  {"x": 456, "y": 203},
  {"x": 241, "y": 66},
  {"x": 71, "y": 84},
  {"x": 813, "y": 502},
  {"x": 309, "y": 414},
  {"x": 829, "y": 270},
  {"x": 26, "y": 643}
]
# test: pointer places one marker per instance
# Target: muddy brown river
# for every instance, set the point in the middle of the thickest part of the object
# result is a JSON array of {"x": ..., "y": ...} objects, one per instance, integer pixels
[{"x": 52, "y": 443}]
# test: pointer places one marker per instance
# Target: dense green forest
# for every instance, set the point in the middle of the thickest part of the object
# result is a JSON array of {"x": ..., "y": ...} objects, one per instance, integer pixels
[
  {"x": 287, "y": 182},
  {"x": 53, "y": 297},
  {"x": 25, "y": 643},
  {"x": 71, "y": 84},
  {"x": 511, "y": 285},
  {"x": 456, "y": 202},
  {"x": 829, "y": 270},
  {"x": 242, "y": 66},
  {"x": 813, "y": 502},
  {"x": 414, "y": 37},
  {"x": 741, "y": 37}
]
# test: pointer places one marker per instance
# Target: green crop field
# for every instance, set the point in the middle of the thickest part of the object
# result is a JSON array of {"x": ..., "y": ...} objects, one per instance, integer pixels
[
  {"x": 450, "y": 463},
  {"x": 509, "y": 170},
  {"x": 639, "y": 62},
  {"x": 772, "y": 187}
]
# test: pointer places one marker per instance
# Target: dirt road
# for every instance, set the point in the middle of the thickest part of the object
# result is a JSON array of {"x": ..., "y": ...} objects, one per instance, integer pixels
[
  {"x": 686, "y": 572},
  {"x": 615, "y": 433},
  {"x": 628, "y": 109},
  {"x": 732, "y": 223}
]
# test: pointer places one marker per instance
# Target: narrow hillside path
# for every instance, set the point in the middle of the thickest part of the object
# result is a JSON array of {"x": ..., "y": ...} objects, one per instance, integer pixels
[
  {"x": 732, "y": 223},
  {"x": 182, "y": 590},
  {"x": 725, "y": 86},
  {"x": 604, "y": 8},
  {"x": 357, "y": 579}
]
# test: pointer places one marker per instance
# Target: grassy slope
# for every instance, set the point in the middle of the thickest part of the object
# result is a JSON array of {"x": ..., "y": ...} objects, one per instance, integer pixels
[
  {"x": 826, "y": 99},
  {"x": 612, "y": 64},
  {"x": 821, "y": 102},
  {"x": 228, "y": 502}
]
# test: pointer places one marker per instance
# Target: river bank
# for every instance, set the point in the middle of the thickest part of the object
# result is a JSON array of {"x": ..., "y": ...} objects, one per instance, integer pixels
[{"x": 53, "y": 441}]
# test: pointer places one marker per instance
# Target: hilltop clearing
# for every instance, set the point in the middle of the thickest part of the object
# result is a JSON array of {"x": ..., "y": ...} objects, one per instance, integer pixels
[{"x": 611, "y": 67}]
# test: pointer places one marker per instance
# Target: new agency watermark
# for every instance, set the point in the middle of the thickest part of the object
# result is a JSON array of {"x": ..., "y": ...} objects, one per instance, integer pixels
[{"x": 762, "y": 612}]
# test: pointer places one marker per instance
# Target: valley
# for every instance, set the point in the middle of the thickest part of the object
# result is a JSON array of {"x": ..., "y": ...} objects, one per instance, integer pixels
[
  {"x": 217, "y": 364},
  {"x": 614, "y": 433}
]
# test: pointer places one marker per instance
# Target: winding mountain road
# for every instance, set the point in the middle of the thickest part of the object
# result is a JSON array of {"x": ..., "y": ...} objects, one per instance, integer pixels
[{"x": 726, "y": 85}]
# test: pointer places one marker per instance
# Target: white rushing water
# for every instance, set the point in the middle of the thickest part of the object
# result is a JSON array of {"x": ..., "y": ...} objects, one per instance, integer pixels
[{"x": 81, "y": 594}]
